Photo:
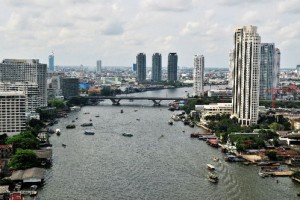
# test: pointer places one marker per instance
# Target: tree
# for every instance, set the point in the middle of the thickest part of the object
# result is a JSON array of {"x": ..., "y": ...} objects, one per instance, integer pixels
[
  {"x": 23, "y": 159},
  {"x": 276, "y": 126},
  {"x": 24, "y": 140},
  {"x": 57, "y": 103}
]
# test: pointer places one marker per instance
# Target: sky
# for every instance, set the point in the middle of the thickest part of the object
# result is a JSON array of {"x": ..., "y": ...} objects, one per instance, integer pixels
[{"x": 79, "y": 32}]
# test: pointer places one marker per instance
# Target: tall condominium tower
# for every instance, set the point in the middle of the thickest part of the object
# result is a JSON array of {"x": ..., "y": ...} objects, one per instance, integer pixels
[
  {"x": 246, "y": 72},
  {"x": 12, "y": 115},
  {"x": 156, "y": 67},
  {"x": 51, "y": 62},
  {"x": 231, "y": 65},
  {"x": 172, "y": 66},
  {"x": 99, "y": 66},
  {"x": 30, "y": 70},
  {"x": 198, "y": 75},
  {"x": 276, "y": 68},
  {"x": 141, "y": 66},
  {"x": 267, "y": 70}
]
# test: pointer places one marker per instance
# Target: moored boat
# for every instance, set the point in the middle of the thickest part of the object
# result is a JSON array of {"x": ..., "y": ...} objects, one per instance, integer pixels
[
  {"x": 216, "y": 159},
  {"x": 212, "y": 177}
]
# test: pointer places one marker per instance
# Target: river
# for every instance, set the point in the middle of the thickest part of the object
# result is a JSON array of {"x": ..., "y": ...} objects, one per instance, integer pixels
[{"x": 159, "y": 162}]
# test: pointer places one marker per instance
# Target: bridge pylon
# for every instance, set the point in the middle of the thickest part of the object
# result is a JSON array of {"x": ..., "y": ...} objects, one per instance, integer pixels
[{"x": 156, "y": 102}]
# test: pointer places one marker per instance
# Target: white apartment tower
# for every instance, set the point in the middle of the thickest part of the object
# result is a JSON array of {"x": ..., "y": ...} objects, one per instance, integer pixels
[
  {"x": 198, "y": 75},
  {"x": 26, "y": 70},
  {"x": 246, "y": 73},
  {"x": 231, "y": 65},
  {"x": 12, "y": 112},
  {"x": 99, "y": 66}
]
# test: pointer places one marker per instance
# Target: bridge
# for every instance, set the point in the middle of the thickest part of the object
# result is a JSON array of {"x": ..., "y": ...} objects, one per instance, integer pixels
[{"x": 116, "y": 99}]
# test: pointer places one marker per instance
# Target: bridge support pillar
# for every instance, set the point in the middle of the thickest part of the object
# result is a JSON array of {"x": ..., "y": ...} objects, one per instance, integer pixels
[
  {"x": 156, "y": 102},
  {"x": 115, "y": 102}
]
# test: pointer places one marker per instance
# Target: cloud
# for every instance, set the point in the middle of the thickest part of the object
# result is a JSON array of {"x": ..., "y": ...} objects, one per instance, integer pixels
[
  {"x": 174, "y": 6},
  {"x": 290, "y": 6},
  {"x": 112, "y": 28}
]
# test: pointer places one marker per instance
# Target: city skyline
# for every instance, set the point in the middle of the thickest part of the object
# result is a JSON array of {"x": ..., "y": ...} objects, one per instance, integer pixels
[{"x": 124, "y": 29}]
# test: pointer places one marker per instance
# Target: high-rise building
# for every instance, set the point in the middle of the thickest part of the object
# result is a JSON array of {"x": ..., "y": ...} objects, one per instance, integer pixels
[
  {"x": 12, "y": 112},
  {"x": 246, "y": 73},
  {"x": 134, "y": 67},
  {"x": 99, "y": 67},
  {"x": 30, "y": 89},
  {"x": 198, "y": 75},
  {"x": 51, "y": 62},
  {"x": 277, "y": 69},
  {"x": 172, "y": 66},
  {"x": 231, "y": 65},
  {"x": 70, "y": 87},
  {"x": 26, "y": 70},
  {"x": 156, "y": 67},
  {"x": 267, "y": 70},
  {"x": 298, "y": 70},
  {"x": 141, "y": 66}
]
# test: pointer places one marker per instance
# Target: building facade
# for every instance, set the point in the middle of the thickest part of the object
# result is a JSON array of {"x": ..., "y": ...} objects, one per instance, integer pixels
[
  {"x": 51, "y": 62},
  {"x": 141, "y": 66},
  {"x": 156, "y": 67},
  {"x": 30, "y": 90},
  {"x": 26, "y": 70},
  {"x": 172, "y": 66},
  {"x": 198, "y": 75},
  {"x": 246, "y": 73},
  {"x": 99, "y": 67},
  {"x": 277, "y": 68},
  {"x": 70, "y": 87},
  {"x": 267, "y": 70},
  {"x": 231, "y": 65},
  {"x": 12, "y": 112}
]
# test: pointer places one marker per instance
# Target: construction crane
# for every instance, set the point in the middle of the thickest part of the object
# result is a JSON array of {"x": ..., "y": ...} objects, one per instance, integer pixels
[{"x": 290, "y": 89}]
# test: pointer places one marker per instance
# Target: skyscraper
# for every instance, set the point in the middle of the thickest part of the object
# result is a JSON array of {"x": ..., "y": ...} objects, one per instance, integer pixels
[
  {"x": 246, "y": 72},
  {"x": 99, "y": 66},
  {"x": 141, "y": 66},
  {"x": 172, "y": 67},
  {"x": 231, "y": 65},
  {"x": 26, "y": 70},
  {"x": 276, "y": 68},
  {"x": 198, "y": 74},
  {"x": 156, "y": 67},
  {"x": 51, "y": 62},
  {"x": 267, "y": 70}
]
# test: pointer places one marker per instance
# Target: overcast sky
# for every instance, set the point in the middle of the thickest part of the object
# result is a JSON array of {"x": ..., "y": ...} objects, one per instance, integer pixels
[{"x": 114, "y": 31}]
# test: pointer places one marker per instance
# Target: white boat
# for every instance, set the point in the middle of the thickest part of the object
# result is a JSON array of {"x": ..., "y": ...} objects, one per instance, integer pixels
[
  {"x": 212, "y": 177},
  {"x": 175, "y": 117},
  {"x": 89, "y": 132},
  {"x": 210, "y": 167},
  {"x": 57, "y": 131}
]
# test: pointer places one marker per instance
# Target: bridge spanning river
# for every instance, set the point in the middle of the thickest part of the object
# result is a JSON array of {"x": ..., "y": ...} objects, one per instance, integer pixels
[{"x": 156, "y": 100}]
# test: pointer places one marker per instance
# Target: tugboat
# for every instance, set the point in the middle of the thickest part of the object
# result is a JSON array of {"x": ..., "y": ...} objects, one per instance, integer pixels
[{"x": 127, "y": 134}]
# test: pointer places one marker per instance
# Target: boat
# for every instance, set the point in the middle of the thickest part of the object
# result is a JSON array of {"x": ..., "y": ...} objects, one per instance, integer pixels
[
  {"x": 87, "y": 124},
  {"x": 170, "y": 122},
  {"x": 175, "y": 117},
  {"x": 91, "y": 120},
  {"x": 86, "y": 113},
  {"x": 122, "y": 111},
  {"x": 70, "y": 126},
  {"x": 57, "y": 131},
  {"x": 73, "y": 121},
  {"x": 33, "y": 190},
  {"x": 191, "y": 124},
  {"x": 210, "y": 167},
  {"x": 97, "y": 116},
  {"x": 216, "y": 159},
  {"x": 89, "y": 132},
  {"x": 16, "y": 196},
  {"x": 212, "y": 178},
  {"x": 64, "y": 145},
  {"x": 127, "y": 134},
  {"x": 263, "y": 175}
]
